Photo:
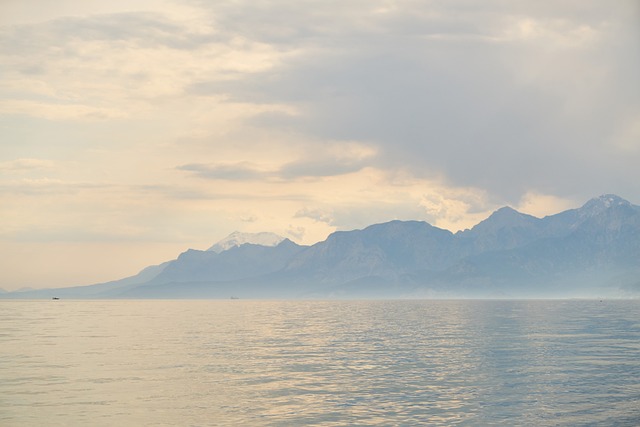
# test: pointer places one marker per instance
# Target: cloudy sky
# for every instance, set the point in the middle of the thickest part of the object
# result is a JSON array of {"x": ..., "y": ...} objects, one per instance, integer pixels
[{"x": 131, "y": 130}]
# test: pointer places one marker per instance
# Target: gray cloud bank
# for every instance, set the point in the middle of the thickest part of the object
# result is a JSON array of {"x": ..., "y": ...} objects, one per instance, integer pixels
[{"x": 507, "y": 97}]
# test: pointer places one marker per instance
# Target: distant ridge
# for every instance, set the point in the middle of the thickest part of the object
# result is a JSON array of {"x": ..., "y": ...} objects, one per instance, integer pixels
[{"x": 589, "y": 252}]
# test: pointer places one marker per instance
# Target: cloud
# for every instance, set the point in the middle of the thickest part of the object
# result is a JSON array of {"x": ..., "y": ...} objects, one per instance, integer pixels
[
  {"x": 47, "y": 186},
  {"x": 27, "y": 164},
  {"x": 541, "y": 205},
  {"x": 509, "y": 98},
  {"x": 315, "y": 214},
  {"x": 296, "y": 232},
  {"x": 135, "y": 29},
  {"x": 319, "y": 160},
  {"x": 118, "y": 66},
  {"x": 58, "y": 111},
  {"x": 238, "y": 171},
  {"x": 248, "y": 172},
  {"x": 320, "y": 168}
]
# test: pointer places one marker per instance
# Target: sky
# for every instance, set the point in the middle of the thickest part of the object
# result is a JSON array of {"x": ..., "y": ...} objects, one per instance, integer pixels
[{"x": 133, "y": 130}]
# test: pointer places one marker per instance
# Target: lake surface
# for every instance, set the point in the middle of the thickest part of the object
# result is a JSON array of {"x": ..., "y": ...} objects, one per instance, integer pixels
[{"x": 279, "y": 363}]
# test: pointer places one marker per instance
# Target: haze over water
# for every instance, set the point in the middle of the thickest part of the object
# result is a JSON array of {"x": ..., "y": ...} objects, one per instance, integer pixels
[{"x": 256, "y": 363}]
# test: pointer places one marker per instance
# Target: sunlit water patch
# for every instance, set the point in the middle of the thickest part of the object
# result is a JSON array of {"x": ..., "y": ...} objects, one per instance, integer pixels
[{"x": 236, "y": 362}]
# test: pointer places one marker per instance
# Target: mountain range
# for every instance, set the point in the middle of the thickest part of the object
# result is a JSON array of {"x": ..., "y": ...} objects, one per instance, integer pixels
[{"x": 589, "y": 252}]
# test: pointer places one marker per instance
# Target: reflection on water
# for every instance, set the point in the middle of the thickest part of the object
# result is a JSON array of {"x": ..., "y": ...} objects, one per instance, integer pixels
[{"x": 319, "y": 362}]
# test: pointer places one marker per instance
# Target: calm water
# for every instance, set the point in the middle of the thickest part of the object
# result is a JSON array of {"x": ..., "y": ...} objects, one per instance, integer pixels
[{"x": 255, "y": 363}]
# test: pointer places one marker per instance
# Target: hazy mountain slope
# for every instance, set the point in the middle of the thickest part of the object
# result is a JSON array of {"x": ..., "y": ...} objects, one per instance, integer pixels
[
  {"x": 383, "y": 250},
  {"x": 593, "y": 250},
  {"x": 590, "y": 248},
  {"x": 97, "y": 290},
  {"x": 236, "y": 263},
  {"x": 506, "y": 228},
  {"x": 590, "y": 251}
]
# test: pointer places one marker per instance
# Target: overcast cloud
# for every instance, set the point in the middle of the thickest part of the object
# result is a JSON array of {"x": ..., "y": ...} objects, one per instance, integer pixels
[{"x": 173, "y": 123}]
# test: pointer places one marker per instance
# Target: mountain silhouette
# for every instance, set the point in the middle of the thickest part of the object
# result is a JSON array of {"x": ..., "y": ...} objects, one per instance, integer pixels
[{"x": 591, "y": 251}]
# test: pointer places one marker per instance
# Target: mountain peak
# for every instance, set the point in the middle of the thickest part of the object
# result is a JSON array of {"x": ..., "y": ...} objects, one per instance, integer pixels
[
  {"x": 238, "y": 238},
  {"x": 600, "y": 204},
  {"x": 506, "y": 211},
  {"x": 505, "y": 217}
]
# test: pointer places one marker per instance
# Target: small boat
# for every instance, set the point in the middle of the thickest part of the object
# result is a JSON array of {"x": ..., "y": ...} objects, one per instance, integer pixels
[
  {"x": 55, "y": 298},
  {"x": 235, "y": 297}
]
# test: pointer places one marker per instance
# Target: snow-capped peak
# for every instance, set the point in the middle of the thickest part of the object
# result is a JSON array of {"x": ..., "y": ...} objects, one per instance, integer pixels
[
  {"x": 602, "y": 203},
  {"x": 237, "y": 238}
]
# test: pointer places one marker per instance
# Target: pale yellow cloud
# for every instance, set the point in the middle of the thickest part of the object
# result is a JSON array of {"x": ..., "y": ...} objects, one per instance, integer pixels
[
  {"x": 626, "y": 136},
  {"x": 540, "y": 205},
  {"x": 26, "y": 165},
  {"x": 554, "y": 34},
  {"x": 111, "y": 76},
  {"x": 55, "y": 111}
]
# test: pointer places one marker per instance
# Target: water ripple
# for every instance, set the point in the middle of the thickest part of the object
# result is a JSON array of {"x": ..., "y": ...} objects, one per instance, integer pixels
[{"x": 263, "y": 363}]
